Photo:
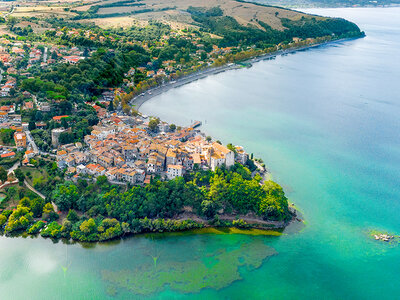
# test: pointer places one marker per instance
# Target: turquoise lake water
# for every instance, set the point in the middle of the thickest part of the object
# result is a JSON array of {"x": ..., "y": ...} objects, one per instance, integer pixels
[{"x": 326, "y": 122}]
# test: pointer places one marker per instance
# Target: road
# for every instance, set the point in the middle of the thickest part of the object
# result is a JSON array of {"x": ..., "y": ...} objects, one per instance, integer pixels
[
  {"x": 32, "y": 142},
  {"x": 10, "y": 12},
  {"x": 139, "y": 100}
]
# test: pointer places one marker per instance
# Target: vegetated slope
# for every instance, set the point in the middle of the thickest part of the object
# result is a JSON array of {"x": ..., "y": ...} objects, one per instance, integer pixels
[
  {"x": 237, "y": 22},
  {"x": 232, "y": 32},
  {"x": 245, "y": 13}
]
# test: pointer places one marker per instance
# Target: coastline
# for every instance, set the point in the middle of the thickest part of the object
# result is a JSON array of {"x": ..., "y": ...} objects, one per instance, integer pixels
[
  {"x": 139, "y": 100},
  {"x": 228, "y": 223}
]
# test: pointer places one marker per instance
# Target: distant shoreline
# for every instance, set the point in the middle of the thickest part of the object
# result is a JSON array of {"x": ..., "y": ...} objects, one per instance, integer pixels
[{"x": 138, "y": 100}]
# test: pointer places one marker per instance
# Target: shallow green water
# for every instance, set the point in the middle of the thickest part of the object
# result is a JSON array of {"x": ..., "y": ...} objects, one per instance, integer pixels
[{"x": 326, "y": 123}]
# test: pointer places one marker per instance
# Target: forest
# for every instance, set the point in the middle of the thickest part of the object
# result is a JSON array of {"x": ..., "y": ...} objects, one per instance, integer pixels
[
  {"x": 100, "y": 211},
  {"x": 213, "y": 21}
]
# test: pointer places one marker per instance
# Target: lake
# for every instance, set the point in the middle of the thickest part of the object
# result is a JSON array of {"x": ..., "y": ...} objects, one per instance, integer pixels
[{"x": 326, "y": 122}]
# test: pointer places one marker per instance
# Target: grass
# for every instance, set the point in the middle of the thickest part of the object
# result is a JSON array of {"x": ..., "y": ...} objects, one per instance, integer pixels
[
  {"x": 14, "y": 194},
  {"x": 34, "y": 173}
]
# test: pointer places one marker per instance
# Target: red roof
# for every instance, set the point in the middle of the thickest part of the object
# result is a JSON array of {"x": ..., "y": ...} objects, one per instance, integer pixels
[
  {"x": 9, "y": 154},
  {"x": 58, "y": 118}
]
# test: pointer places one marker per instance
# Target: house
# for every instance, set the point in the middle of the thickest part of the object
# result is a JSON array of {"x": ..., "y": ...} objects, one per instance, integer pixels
[
  {"x": 8, "y": 155},
  {"x": 81, "y": 169},
  {"x": 61, "y": 156},
  {"x": 73, "y": 59},
  {"x": 219, "y": 155},
  {"x": 44, "y": 107},
  {"x": 20, "y": 139},
  {"x": 29, "y": 154},
  {"x": 28, "y": 105},
  {"x": 58, "y": 118},
  {"x": 95, "y": 170},
  {"x": 111, "y": 174},
  {"x": 241, "y": 156},
  {"x": 171, "y": 157},
  {"x": 174, "y": 171}
]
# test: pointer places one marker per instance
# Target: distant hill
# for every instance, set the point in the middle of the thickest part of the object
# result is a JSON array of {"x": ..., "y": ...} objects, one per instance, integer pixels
[{"x": 328, "y": 3}]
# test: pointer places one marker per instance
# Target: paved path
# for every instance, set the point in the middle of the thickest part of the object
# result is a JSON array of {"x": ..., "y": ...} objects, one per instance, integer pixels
[
  {"x": 34, "y": 190},
  {"x": 14, "y": 167},
  {"x": 40, "y": 194}
]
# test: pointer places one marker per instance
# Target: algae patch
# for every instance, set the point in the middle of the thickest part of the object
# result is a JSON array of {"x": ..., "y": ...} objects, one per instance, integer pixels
[{"x": 217, "y": 270}]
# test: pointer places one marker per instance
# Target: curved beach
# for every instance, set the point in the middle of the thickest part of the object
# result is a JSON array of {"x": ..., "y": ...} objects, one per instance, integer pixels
[{"x": 137, "y": 101}]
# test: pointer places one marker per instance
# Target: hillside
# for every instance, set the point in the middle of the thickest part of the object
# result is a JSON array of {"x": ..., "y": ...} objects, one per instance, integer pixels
[
  {"x": 125, "y": 13},
  {"x": 329, "y": 3}
]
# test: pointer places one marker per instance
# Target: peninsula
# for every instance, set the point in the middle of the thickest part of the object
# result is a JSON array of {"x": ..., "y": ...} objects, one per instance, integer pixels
[{"x": 78, "y": 161}]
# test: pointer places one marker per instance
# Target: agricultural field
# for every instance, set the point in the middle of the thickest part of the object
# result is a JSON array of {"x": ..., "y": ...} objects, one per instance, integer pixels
[{"x": 125, "y": 13}]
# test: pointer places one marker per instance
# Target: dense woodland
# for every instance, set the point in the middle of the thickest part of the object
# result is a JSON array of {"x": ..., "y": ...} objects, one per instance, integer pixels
[
  {"x": 233, "y": 33},
  {"x": 100, "y": 211}
]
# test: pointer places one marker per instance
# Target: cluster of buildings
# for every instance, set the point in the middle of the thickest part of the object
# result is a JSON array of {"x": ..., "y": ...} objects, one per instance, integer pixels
[
  {"x": 13, "y": 53},
  {"x": 124, "y": 149}
]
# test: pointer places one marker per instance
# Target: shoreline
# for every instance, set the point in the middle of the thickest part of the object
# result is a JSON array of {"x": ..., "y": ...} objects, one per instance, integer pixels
[
  {"x": 252, "y": 226},
  {"x": 139, "y": 100}
]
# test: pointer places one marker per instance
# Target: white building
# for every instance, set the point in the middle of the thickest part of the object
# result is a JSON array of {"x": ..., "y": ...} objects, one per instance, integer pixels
[
  {"x": 219, "y": 155},
  {"x": 174, "y": 171},
  {"x": 241, "y": 155}
]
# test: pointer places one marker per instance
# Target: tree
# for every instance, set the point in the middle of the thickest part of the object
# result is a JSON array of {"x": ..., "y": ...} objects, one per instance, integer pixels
[
  {"x": 172, "y": 127},
  {"x": 66, "y": 138},
  {"x": 101, "y": 180},
  {"x": 231, "y": 147},
  {"x": 25, "y": 201},
  {"x": 47, "y": 210},
  {"x": 7, "y": 136},
  {"x": 66, "y": 195},
  {"x": 31, "y": 125},
  {"x": 19, "y": 219},
  {"x": 88, "y": 227},
  {"x": 86, "y": 52},
  {"x": 20, "y": 176},
  {"x": 3, "y": 174},
  {"x": 208, "y": 138},
  {"x": 64, "y": 123},
  {"x": 111, "y": 106},
  {"x": 38, "y": 116},
  {"x": 72, "y": 216},
  {"x": 37, "y": 206},
  {"x": 208, "y": 209},
  {"x": 153, "y": 124}
]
